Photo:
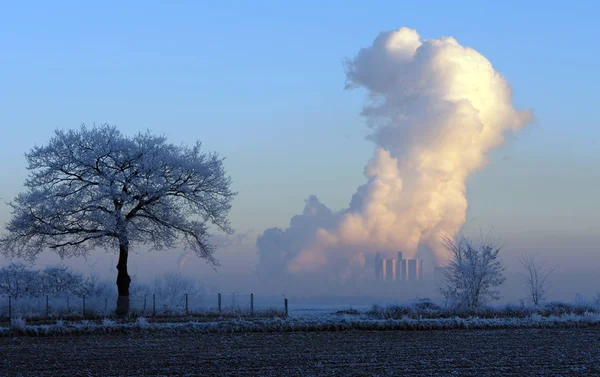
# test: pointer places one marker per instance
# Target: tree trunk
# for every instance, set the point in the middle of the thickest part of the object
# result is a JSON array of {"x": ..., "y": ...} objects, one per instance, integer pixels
[{"x": 123, "y": 281}]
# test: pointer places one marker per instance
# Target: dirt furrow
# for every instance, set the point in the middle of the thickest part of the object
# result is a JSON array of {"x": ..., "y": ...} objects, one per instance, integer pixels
[{"x": 556, "y": 352}]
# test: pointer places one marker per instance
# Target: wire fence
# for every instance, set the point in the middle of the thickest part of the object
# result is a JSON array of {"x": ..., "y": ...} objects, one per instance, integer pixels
[{"x": 149, "y": 305}]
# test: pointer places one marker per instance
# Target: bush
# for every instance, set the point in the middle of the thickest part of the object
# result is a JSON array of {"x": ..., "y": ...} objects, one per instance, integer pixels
[{"x": 348, "y": 312}]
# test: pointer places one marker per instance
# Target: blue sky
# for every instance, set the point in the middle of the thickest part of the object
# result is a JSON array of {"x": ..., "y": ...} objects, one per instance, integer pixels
[{"x": 262, "y": 84}]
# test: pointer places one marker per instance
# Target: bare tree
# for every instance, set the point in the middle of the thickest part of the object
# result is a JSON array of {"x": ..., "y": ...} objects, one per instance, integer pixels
[
  {"x": 95, "y": 187},
  {"x": 171, "y": 287},
  {"x": 536, "y": 279},
  {"x": 473, "y": 273},
  {"x": 58, "y": 280}
]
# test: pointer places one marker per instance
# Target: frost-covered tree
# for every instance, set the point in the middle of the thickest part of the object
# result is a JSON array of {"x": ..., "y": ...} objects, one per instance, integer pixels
[
  {"x": 92, "y": 286},
  {"x": 536, "y": 279},
  {"x": 140, "y": 291},
  {"x": 171, "y": 286},
  {"x": 16, "y": 281},
  {"x": 95, "y": 187},
  {"x": 473, "y": 273},
  {"x": 59, "y": 280}
]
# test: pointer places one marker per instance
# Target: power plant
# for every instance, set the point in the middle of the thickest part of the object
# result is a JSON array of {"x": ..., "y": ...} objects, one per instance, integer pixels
[{"x": 398, "y": 269}]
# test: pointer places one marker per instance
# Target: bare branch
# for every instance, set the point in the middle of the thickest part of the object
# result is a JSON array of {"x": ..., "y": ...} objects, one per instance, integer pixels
[{"x": 536, "y": 279}]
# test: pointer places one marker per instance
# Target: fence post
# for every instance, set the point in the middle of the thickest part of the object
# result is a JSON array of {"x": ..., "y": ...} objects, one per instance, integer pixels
[
  {"x": 83, "y": 306},
  {"x": 9, "y": 308},
  {"x": 252, "y": 304},
  {"x": 47, "y": 308},
  {"x": 285, "y": 304},
  {"x": 187, "y": 312},
  {"x": 219, "y": 303},
  {"x": 154, "y": 305}
]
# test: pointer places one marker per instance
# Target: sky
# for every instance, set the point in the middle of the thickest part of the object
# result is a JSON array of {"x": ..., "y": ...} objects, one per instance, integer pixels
[{"x": 262, "y": 83}]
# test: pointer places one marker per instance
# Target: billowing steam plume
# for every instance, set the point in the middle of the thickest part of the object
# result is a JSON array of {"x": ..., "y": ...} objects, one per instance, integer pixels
[{"x": 435, "y": 109}]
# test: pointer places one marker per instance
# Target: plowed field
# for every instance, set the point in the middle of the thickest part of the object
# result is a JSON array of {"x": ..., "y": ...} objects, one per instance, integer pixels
[{"x": 523, "y": 352}]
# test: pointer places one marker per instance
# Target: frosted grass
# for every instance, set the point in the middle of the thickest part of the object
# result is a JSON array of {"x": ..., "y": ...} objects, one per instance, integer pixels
[{"x": 342, "y": 323}]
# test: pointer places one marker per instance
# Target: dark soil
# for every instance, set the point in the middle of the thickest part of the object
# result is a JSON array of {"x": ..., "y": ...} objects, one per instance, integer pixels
[{"x": 521, "y": 352}]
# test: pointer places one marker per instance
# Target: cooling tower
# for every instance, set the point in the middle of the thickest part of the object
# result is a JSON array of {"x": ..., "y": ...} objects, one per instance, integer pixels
[
  {"x": 378, "y": 267},
  {"x": 412, "y": 270}
]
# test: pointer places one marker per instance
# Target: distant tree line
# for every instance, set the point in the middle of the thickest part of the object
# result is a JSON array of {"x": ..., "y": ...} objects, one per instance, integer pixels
[{"x": 18, "y": 281}]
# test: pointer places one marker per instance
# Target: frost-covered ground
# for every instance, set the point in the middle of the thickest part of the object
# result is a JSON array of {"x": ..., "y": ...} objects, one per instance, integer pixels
[
  {"x": 333, "y": 322},
  {"x": 315, "y": 340},
  {"x": 501, "y": 352}
]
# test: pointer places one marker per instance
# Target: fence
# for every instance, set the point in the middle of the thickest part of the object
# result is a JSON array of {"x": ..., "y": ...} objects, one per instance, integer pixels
[{"x": 234, "y": 304}]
